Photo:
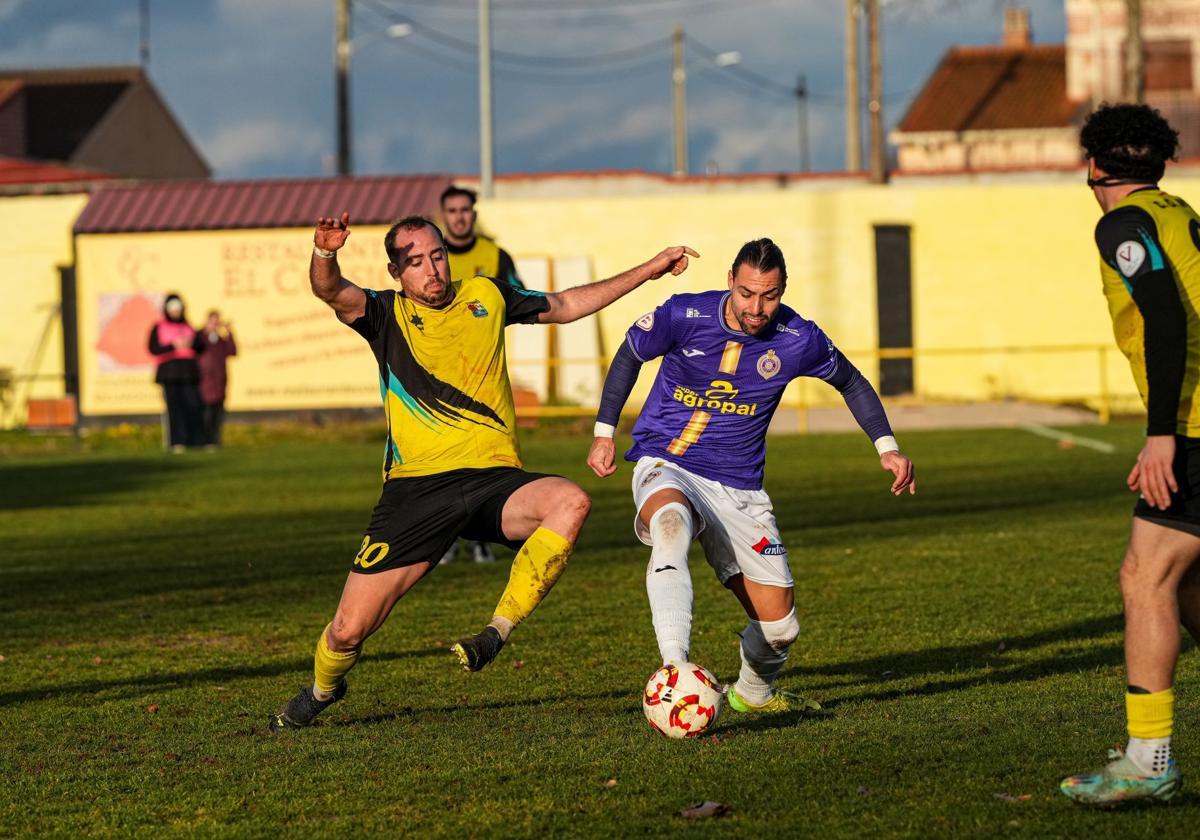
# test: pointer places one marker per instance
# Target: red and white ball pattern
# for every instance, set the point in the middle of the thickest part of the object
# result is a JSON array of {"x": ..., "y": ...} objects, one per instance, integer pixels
[{"x": 682, "y": 701}]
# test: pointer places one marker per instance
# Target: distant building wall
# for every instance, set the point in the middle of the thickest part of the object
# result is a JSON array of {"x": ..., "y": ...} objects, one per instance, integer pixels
[
  {"x": 35, "y": 239},
  {"x": 998, "y": 264},
  {"x": 953, "y": 151}
]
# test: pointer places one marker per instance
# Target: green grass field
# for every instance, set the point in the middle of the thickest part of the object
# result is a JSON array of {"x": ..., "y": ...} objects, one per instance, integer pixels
[{"x": 965, "y": 643}]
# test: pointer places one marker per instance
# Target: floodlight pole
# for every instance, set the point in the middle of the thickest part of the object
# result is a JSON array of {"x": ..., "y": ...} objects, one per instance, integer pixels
[
  {"x": 486, "y": 150},
  {"x": 342, "y": 84},
  {"x": 679, "y": 100},
  {"x": 853, "y": 89},
  {"x": 878, "y": 162}
]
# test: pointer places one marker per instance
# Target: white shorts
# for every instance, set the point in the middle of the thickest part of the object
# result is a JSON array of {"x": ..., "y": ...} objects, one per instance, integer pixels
[{"x": 737, "y": 528}]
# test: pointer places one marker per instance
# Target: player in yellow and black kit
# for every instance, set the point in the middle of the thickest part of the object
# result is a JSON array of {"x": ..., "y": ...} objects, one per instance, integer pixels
[
  {"x": 1149, "y": 245},
  {"x": 452, "y": 465},
  {"x": 471, "y": 253}
]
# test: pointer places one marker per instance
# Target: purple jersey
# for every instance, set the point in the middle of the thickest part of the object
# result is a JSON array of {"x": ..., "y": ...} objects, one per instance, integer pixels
[{"x": 717, "y": 388}]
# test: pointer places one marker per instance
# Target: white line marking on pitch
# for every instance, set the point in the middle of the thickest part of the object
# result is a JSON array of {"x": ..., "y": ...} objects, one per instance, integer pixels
[{"x": 1067, "y": 437}]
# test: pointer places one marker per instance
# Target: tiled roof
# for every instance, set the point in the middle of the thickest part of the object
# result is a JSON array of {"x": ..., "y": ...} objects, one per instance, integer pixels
[
  {"x": 989, "y": 88},
  {"x": 73, "y": 75},
  {"x": 224, "y": 205},
  {"x": 21, "y": 171}
]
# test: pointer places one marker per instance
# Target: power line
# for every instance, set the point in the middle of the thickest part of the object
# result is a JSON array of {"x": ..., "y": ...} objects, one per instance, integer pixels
[
  {"x": 543, "y": 7},
  {"x": 549, "y": 61}
]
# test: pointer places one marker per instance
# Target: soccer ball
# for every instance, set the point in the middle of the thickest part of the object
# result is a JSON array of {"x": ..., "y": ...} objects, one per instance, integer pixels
[{"x": 682, "y": 701}]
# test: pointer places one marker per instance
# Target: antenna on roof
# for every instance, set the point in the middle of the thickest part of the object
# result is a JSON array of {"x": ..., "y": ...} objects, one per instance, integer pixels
[{"x": 144, "y": 36}]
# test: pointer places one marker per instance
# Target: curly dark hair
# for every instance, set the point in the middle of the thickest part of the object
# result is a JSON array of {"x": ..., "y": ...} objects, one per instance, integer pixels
[{"x": 1129, "y": 141}]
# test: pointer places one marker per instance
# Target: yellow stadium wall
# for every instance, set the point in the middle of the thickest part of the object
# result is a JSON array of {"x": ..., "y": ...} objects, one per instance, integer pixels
[
  {"x": 35, "y": 240},
  {"x": 995, "y": 266}
]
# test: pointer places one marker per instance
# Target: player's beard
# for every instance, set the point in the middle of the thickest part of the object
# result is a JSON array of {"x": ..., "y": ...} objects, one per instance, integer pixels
[
  {"x": 749, "y": 327},
  {"x": 435, "y": 294}
]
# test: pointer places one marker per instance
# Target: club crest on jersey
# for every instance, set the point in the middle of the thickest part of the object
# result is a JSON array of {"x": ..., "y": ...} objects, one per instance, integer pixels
[
  {"x": 769, "y": 548},
  {"x": 769, "y": 365},
  {"x": 646, "y": 322},
  {"x": 1130, "y": 256},
  {"x": 477, "y": 309}
]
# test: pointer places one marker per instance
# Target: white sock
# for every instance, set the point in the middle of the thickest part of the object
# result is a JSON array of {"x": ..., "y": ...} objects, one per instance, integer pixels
[
  {"x": 503, "y": 626},
  {"x": 668, "y": 581},
  {"x": 761, "y": 663},
  {"x": 1151, "y": 755}
]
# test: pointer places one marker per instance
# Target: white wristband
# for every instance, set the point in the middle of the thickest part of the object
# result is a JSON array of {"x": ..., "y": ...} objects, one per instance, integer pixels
[
  {"x": 886, "y": 444},
  {"x": 604, "y": 430},
  {"x": 321, "y": 252}
]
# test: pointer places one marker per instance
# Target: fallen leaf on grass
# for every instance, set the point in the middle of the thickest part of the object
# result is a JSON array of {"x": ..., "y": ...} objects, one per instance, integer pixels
[
  {"x": 96, "y": 660},
  {"x": 152, "y": 708},
  {"x": 702, "y": 810},
  {"x": 611, "y": 783},
  {"x": 3, "y": 658},
  {"x": 518, "y": 663},
  {"x": 1008, "y": 797}
]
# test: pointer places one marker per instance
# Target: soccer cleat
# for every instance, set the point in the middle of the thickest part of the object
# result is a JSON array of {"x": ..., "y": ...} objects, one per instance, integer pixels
[
  {"x": 779, "y": 702},
  {"x": 482, "y": 552},
  {"x": 1120, "y": 782},
  {"x": 476, "y": 652},
  {"x": 450, "y": 554},
  {"x": 303, "y": 708}
]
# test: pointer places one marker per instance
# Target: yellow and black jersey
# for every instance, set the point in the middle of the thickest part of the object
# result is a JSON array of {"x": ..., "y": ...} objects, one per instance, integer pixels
[
  {"x": 443, "y": 377},
  {"x": 482, "y": 258},
  {"x": 1150, "y": 265}
]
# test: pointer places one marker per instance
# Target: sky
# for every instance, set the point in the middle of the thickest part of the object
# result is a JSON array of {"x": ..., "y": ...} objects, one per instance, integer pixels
[{"x": 579, "y": 84}]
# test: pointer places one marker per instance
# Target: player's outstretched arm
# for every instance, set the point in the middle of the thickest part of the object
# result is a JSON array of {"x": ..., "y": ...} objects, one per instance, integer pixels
[
  {"x": 325, "y": 275},
  {"x": 622, "y": 376},
  {"x": 865, "y": 405},
  {"x": 582, "y": 301}
]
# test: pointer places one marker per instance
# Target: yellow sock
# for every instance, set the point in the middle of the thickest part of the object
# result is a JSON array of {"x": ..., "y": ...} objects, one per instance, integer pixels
[
  {"x": 1150, "y": 715},
  {"x": 330, "y": 666},
  {"x": 537, "y": 566}
]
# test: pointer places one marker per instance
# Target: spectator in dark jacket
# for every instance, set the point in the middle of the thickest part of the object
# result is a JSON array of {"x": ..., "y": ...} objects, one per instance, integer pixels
[
  {"x": 218, "y": 347},
  {"x": 176, "y": 345}
]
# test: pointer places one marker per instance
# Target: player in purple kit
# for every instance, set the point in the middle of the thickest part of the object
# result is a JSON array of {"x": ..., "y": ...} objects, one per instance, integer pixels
[{"x": 700, "y": 446}]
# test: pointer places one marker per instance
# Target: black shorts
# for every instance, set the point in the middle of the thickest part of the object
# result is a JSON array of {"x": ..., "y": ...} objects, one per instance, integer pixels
[
  {"x": 1183, "y": 514},
  {"x": 419, "y": 518}
]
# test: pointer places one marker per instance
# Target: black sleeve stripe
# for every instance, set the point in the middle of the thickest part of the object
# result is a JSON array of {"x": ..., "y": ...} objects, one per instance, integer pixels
[{"x": 1128, "y": 225}]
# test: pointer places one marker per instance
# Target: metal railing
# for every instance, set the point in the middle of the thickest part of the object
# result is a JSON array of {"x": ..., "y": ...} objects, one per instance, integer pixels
[{"x": 1100, "y": 397}]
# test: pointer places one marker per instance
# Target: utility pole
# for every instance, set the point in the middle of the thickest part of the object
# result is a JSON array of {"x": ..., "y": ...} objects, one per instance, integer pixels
[
  {"x": 878, "y": 160},
  {"x": 853, "y": 89},
  {"x": 342, "y": 84},
  {"x": 679, "y": 98},
  {"x": 802, "y": 113},
  {"x": 1135, "y": 68},
  {"x": 486, "y": 158},
  {"x": 144, "y": 36}
]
